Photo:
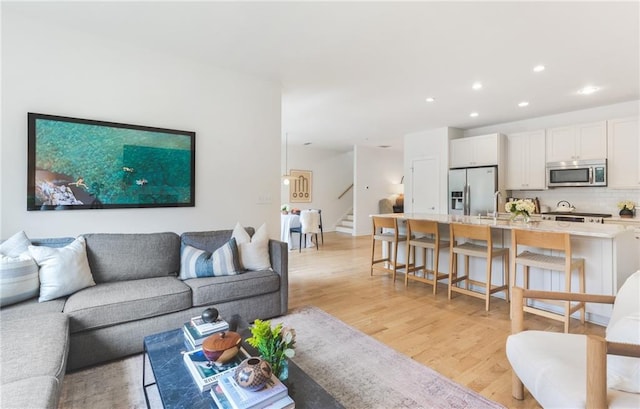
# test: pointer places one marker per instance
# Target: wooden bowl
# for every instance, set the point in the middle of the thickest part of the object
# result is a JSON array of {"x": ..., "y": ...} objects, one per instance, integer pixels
[{"x": 221, "y": 347}]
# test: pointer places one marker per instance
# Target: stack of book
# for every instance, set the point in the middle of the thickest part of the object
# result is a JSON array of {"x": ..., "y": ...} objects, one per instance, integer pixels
[
  {"x": 196, "y": 330},
  {"x": 206, "y": 374},
  {"x": 227, "y": 394}
]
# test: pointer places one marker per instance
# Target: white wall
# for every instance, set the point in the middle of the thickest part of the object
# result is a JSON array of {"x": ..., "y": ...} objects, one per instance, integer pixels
[
  {"x": 427, "y": 144},
  {"x": 53, "y": 70},
  {"x": 332, "y": 174},
  {"x": 376, "y": 170},
  {"x": 586, "y": 199}
]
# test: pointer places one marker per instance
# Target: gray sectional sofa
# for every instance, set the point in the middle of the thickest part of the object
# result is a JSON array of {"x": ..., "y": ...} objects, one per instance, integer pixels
[{"x": 137, "y": 293}]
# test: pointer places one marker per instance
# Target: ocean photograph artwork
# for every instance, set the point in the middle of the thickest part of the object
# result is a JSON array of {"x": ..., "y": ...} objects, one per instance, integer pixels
[{"x": 86, "y": 165}]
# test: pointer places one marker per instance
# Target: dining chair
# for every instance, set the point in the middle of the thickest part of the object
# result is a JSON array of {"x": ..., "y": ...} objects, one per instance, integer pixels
[{"x": 309, "y": 224}]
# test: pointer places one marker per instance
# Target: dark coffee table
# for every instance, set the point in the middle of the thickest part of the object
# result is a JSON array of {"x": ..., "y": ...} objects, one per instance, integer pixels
[{"x": 178, "y": 390}]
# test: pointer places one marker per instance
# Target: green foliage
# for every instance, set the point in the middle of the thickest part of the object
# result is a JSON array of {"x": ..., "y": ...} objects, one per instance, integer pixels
[{"x": 274, "y": 344}]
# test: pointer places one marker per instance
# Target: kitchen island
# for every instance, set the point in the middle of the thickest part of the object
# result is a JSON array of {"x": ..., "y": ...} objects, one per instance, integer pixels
[{"x": 609, "y": 251}]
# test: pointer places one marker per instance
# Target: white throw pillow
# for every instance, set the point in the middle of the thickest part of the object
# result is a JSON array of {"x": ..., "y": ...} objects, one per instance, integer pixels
[
  {"x": 18, "y": 279},
  {"x": 254, "y": 251},
  {"x": 63, "y": 271},
  {"x": 15, "y": 245}
]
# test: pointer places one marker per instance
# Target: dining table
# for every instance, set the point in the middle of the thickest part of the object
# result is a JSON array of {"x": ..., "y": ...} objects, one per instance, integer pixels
[{"x": 287, "y": 221}]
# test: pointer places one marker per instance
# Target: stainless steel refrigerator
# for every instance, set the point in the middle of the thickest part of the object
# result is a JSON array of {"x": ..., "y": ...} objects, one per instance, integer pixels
[{"x": 472, "y": 190}]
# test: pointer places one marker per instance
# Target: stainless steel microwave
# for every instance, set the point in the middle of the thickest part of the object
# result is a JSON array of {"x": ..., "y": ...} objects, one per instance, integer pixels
[{"x": 577, "y": 173}]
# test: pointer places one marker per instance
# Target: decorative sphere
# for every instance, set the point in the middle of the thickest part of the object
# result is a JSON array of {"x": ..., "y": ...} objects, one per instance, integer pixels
[
  {"x": 209, "y": 315},
  {"x": 253, "y": 373}
]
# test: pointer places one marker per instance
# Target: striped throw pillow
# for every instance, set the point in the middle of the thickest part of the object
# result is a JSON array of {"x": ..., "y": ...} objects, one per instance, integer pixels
[
  {"x": 18, "y": 279},
  {"x": 196, "y": 263}
]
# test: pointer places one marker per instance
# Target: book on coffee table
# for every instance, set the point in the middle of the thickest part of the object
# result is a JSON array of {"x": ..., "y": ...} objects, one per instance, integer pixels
[
  {"x": 192, "y": 335},
  {"x": 241, "y": 398},
  {"x": 208, "y": 328},
  {"x": 206, "y": 374},
  {"x": 223, "y": 403}
]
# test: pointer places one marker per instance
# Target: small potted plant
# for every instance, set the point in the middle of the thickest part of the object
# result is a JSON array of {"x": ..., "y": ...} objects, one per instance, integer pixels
[
  {"x": 626, "y": 208},
  {"x": 274, "y": 344},
  {"x": 284, "y": 208}
]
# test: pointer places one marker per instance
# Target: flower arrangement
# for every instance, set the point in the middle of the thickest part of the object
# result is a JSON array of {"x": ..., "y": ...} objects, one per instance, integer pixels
[
  {"x": 626, "y": 204},
  {"x": 520, "y": 207},
  {"x": 284, "y": 208},
  {"x": 274, "y": 344}
]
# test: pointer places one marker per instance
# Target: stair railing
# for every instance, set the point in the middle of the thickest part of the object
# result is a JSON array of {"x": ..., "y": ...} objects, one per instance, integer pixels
[{"x": 345, "y": 192}]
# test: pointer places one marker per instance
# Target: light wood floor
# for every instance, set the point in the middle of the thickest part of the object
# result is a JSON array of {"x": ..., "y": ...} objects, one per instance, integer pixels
[{"x": 456, "y": 338}]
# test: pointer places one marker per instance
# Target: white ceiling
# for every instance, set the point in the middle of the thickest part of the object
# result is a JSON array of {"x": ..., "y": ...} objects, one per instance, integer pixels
[{"x": 359, "y": 72}]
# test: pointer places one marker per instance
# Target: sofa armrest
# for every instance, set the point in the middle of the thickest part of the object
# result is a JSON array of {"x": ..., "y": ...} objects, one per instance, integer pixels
[
  {"x": 279, "y": 255},
  {"x": 518, "y": 295}
]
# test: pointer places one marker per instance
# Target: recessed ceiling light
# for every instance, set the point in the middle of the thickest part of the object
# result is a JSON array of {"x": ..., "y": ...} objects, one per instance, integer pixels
[
  {"x": 430, "y": 99},
  {"x": 538, "y": 68},
  {"x": 477, "y": 85},
  {"x": 473, "y": 114},
  {"x": 523, "y": 104},
  {"x": 589, "y": 89}
]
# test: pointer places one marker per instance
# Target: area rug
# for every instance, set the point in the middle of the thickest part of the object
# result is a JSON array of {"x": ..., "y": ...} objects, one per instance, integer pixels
[{"x": 359, "y": 371}]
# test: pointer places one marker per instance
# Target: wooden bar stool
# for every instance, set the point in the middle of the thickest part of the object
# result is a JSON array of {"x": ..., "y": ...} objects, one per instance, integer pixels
[
  {"x": 565, "y": 263},
  {"x": 388, "y": 264},
  {"x": 467, "y": 249},
  {"x": 424, "y": 235}
]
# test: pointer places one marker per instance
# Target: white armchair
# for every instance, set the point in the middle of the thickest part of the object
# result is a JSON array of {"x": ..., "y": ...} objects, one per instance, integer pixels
[{"x": 574, "y": 370}]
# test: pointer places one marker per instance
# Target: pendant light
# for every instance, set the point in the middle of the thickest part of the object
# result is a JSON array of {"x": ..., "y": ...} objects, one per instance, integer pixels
[{"x": 286, "y": 178}]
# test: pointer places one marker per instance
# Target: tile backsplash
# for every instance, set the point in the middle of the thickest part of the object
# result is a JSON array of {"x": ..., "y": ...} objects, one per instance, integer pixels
[{"x": 584, "y": 199}]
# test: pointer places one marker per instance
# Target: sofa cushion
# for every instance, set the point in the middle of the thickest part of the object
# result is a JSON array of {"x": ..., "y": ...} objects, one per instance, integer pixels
[
  {"x": 15, "y": 245},
  {"x": 40, "y": 392},
  {"x": 63, "y": 271},
  {"x": 210, "y": 290},
  {"x": 18, "y": 279},
  {"x": 119, "y": 257},
  {"x": 34, "y": 345},
  {"x": 209, "y": 240},
  {"x": 254, "y": 250},
  {"x": 195, "y": 263},
  {"x": 31, "y": 308},
  {"x": 123, "y": 301}
]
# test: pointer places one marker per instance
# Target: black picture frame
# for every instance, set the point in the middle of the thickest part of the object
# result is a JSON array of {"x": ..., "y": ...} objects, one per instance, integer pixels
[{"x": 78, "y": 163}]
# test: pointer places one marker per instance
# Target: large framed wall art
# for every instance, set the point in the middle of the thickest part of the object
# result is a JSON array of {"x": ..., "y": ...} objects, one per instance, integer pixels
[
  {"x": 300, "y": 186},
  {"x": 85, "y": 164}
]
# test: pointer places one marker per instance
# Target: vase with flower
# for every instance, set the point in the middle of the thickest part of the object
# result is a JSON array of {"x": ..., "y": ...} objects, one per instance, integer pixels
[
  {"x": 274, "y": 344},
  {"x": 520, "y": 209},
  {"x": 284, "y": 209},
  {"x": 626, "y": 208}
]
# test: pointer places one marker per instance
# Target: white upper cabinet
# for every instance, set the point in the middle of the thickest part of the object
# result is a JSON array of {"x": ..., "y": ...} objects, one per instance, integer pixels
[
  {"x": 525, "y": 161},
  {"x": 474, "y": 151},
  {"x": 577, "y": 142},
  {"x": 623, "y": 164}
]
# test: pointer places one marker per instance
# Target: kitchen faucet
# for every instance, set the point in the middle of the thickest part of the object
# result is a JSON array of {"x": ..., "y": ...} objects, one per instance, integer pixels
[{"x": 496, "y": 201}]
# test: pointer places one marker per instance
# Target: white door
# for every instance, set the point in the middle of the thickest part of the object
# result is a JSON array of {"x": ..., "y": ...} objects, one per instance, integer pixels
[{"x": 426, "y": 185}]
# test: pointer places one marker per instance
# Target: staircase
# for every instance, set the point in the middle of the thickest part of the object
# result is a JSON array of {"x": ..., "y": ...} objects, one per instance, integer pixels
[{"x": 345, "y": 225}]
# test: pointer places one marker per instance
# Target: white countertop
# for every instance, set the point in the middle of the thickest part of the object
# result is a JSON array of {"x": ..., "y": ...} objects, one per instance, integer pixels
[{"x": 576, "y": 229}]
